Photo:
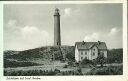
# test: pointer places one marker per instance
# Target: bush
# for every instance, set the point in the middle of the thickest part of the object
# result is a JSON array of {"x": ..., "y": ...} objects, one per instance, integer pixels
[
  {"x": 110, "y": 70},
  {"x": 115, "y": 56},
  {"x": 41, "y": 72},
  {"x": 8, "y": 63},
  {"x": 57, "y": 71},
  {"x": 85, "y": 63},
  {"x": 65, "y": 66},
  {"x": 101, "y": 59},
  {"x": 29, "y": 73}
]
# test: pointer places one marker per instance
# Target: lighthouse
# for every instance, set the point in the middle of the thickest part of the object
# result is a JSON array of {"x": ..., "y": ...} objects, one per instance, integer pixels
[{"x": 57, "y": 36}]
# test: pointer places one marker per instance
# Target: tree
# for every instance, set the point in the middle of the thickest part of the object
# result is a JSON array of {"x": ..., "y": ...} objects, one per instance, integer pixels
[
  {"x": 101, "y": 59},
  {"x": 70, "y": 56},
  {"x": 115, "y": 55}
]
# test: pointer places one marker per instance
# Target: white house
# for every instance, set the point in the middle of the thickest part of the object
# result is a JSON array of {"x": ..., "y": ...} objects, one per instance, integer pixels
[{"x": 89, "y": 50}]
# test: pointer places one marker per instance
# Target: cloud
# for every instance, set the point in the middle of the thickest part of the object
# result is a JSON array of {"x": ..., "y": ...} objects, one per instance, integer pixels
[
  {"x": 113, "y": 31},
  {"x": 113, "y": 38},
  {"x": 67, "y": 11},
  {"x": 28, "y": 37},
  {"x": 92, "y": 37},
  {"x": 29, "y": 30},
  {"x": 33, "y": 36},
  {"x": 11, "y": 26},
  {"x": 11, "y": 23}
]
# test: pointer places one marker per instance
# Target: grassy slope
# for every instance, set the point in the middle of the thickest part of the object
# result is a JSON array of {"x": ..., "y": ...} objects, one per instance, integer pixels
[
  {"x": 45, "y": 53},
  {"x": 19, "y": 58}
]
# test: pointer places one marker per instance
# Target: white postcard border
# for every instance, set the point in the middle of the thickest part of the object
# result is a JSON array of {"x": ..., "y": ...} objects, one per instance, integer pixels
[{"x": 70, "y": 78}]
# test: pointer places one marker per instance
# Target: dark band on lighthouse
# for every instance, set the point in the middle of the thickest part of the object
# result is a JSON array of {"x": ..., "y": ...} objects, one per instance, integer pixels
[{"x": 57, "y": 36}]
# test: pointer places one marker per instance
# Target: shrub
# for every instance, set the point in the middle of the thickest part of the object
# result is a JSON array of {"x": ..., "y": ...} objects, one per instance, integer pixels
[
  {"x": 110, "y": 70},
  {"x": 56, "y": 71},
  {"x": 85, "y": 63},
  {"x": 8, "y": 63},
  {"x": 65, "y": 66},
  {"x": 101, "y": 59}
]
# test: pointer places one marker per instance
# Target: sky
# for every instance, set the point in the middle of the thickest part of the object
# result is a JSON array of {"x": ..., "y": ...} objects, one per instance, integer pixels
[{"x": 28, "y": 26}]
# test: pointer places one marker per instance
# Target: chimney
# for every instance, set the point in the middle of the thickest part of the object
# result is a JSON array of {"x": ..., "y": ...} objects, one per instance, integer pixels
[
  {"x": 83, "y": 42},
  {"x": 99, "y": 42}
]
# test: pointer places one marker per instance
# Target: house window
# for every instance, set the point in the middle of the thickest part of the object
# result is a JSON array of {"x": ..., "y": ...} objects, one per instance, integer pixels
[
  {"x": 101, "y": 53},
  {"x": 94, "y": 49},
  {"x": 81, "y": 53},
  {"x": 85, "y": 53}
]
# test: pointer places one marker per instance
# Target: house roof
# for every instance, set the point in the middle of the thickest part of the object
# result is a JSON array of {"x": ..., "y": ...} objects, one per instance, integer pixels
[{"x": 88, "y": 45}]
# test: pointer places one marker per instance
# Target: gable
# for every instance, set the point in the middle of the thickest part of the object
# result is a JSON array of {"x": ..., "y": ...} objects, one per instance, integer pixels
[{"x": 94, "y": 47}]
